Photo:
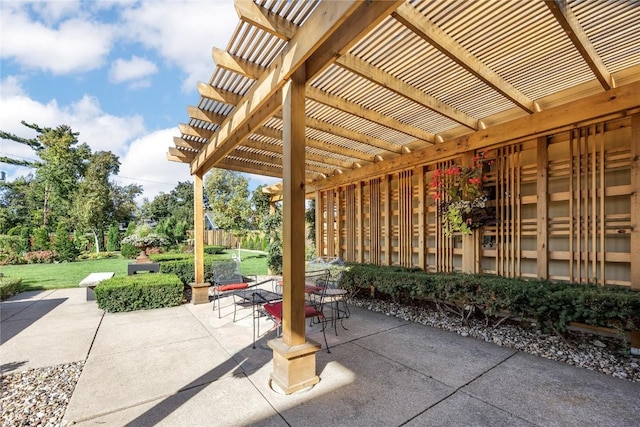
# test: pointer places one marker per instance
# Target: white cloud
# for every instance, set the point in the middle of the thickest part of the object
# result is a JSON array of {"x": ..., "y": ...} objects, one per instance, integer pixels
[
  {"x": 135, "y": 69},
  {"x": 102, "y": 131},
  {"x": 146, "y": 164},
  {"x": 74, "y": 46},
  {"x": 183, "y": 33}
]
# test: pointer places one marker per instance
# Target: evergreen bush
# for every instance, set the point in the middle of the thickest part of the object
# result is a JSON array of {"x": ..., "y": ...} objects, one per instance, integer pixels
[
  {"x": 139, "y": 292},
  {"x": 113, "y": 238},
  {"x": 10, "y": 287},
  {"x": 63, "y": 244}
]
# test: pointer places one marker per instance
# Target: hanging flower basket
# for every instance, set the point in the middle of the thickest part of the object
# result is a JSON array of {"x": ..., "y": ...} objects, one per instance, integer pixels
[{"x": 460, "y": 197}]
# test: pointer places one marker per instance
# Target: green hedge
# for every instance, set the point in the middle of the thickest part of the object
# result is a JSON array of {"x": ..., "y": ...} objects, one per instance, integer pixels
[
  {"x": 139, "y": 292},
  {"x": 551, "y": 304},
  {"x": 170, "y": 256},
  {"x": 214, "y": 249},
  {"x": 185, "y": 269},
  {"x": 10, "y": 287}
]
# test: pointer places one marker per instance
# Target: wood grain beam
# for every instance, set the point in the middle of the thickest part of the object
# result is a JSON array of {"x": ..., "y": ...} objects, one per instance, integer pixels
[
  {"x": 423, "y": 27},
  {"x": 195, "y": 131},
  {"x": 322, "y": 32},
  {"x": 217, "y": 94},
  {"x": 205, "y": 116},
  {"x": 233, "y": 63},
  {"x": 363, "y": 158},
  {"x": 353, "y": 135},
  {"x": 569, "y": 23},
  {"x": 394, "y": 84},
  {"x": 350, "y": 107},
  {"x": 183, "y": 155},
  {"x": 265, "y": 158},
  {"x": 569, "y": 115},
  {"x": 262, "y": 18},
  {"x": 176, "y": 159},
  {"x": 185, "y": 143},
  {"x": 240, "y": 166},
  {"x": 277, "y": 149}
]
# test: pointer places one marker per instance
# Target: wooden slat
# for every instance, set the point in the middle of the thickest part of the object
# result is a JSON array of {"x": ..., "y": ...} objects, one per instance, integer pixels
[
  {"x": 195, "y": 131},
  {"x": 426, "y": 29},
  {"x": 205, "y": 116},
  {"x": 567, "y": 20},
  {"x": 542, "y": 188},
  {"x": 264, "y": 19},
  {"x": 635, "y": 199},
  {"x": 217, "y": 94},
  {"x": 321, "y": 31},
  {"x": 382, "y": 78},
  {"x": 236, "y": 64}
]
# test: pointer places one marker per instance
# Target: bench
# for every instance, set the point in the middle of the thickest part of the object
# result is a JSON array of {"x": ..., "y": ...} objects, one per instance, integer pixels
[
  {"x": 91, "y": 281},
  {"x": 151, "y": 267}
]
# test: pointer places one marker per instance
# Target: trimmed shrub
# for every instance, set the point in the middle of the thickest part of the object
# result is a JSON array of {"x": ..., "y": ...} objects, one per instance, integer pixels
[
  {"x": 185, "y": 270},
  {"x": 63, "y": 244},
  {"x": 139, "y": 292},
  {"x": 553, "y": 305},
  {"x": 170, "y": 256},
  {"x": 113, "y": 238},
  {"x": 40, "y": 257},
  {"x": 214, "y": 249},
  {"x": 97, "y": 255},
  {"x": 10, "y": 287}
]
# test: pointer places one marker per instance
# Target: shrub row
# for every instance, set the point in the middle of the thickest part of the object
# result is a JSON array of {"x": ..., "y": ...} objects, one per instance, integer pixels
[
  {"x": 10, "y": 287},
  {"x": 214, "y": 249},
  {"x": 551, "y": 304},
  {"x": 185, "y": 270},
  {"x": 139, "y": 292}
]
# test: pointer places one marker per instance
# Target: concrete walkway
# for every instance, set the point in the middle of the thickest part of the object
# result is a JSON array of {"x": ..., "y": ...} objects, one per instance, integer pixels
[{"x": 183, "y": 366}]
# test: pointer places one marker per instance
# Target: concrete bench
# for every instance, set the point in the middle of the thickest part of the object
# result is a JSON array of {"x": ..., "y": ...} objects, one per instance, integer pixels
[
  {"x": 151, "y": 267},
  {"x": 91, "y": 281}
]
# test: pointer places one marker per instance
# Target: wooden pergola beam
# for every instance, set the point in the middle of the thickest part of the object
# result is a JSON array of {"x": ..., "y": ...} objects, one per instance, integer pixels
[
  {"x": 569, "y": 23},
  {"x": 394, "y": 84},
  {"x": 217, "y": 94},
  {"x": 323, "y": 31},
  {"x": 262, "y": 18},
  {"x": 182, "y": 155},
  {"x": 423, "y": 27},
  {"x": 185, "y": 143},
  {"x": 205, "y": 116},
  {"x": 277, "y": 149},
  {"x": 355, "y": 109},
  {"x": 604, "y": 104},
  {"x": 224, "y": 59},
  {"x": 194, "y": 131}
]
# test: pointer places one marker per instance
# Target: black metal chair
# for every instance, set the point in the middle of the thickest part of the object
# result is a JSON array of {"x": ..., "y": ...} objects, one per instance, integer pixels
[{"x": 228, "y": 279}]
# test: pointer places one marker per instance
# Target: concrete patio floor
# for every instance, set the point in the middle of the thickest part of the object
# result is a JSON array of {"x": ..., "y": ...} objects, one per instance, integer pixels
[{"x": 184, "y": 366}]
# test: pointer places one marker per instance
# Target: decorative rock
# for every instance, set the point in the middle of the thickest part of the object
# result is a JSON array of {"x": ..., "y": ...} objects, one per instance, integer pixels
[{"x": 599, "y": 344}]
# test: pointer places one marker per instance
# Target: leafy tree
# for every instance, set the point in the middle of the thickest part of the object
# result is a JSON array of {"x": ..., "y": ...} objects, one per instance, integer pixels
[
  {"x": 41, "y": 239},
  {"x": 113, "y": 238},
  {"x": 93, "y": 205},
  {"x": 63, "y": 244},
  {"x": 174, "y": 230},
  {"x": 16, "y": 204},
  {"x": 310, "y": 218},
  {"x": 228, "y": 194},
  {"x": 177, "y": 204},
  {"x": 260, "y": 203},
  {"x": 272, "y": 225}
]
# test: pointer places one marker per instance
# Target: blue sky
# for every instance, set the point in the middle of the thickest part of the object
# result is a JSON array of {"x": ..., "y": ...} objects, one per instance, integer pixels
[{"x": 119, "y": 72}]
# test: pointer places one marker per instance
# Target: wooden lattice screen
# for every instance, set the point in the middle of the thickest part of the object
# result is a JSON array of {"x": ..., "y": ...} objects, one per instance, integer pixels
[{"x": 563, "y": 209}]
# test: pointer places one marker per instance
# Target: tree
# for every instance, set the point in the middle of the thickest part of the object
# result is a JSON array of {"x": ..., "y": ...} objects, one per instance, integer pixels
[
  {"x": 260, "y": 203},
  {"x": 63, "y": 244},
  {"x": 98, "y": 202},
  {"x": 113, "y": 238},
  {"x": 228, "y": 194}
]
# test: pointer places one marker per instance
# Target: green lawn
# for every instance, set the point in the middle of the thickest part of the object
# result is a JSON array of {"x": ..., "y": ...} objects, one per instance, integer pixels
[{"x": 69, "y": 275}]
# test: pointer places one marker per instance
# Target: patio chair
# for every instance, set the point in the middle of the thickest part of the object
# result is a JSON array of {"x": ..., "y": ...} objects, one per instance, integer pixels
[
  {"x": 228, "y": 279},
  {"x": 312, "y": 310}
]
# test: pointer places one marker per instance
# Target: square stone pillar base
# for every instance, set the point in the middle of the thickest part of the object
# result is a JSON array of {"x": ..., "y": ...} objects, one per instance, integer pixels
[
  {"x": 635, "y": 342},
  {"x": 294, "y": 368},
  {"x": 199, "y": 293}
]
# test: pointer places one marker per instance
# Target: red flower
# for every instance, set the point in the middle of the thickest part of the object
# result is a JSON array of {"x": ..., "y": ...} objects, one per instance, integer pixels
[{"x": 437, "y": 195}]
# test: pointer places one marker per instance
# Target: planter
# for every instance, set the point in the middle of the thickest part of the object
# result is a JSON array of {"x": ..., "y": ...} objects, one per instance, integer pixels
[{"x": 142, "y": 258}]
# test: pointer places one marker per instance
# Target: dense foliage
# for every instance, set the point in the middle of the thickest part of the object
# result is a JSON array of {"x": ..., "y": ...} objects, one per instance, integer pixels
[
  {"x": 10, "y": 287},
  {"x": 139, "y": 292},
  {"x": 228, "y": 195},
  {"x": 553, "y": 305}
]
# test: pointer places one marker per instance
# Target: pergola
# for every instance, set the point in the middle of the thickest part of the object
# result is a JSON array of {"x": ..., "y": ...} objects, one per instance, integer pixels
[{"x": 356, "y": 102}]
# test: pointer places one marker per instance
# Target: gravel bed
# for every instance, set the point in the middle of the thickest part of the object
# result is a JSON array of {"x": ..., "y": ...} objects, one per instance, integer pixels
[
  {"x": 38, "y": 397},
  {"x": 603, "y": 354}
]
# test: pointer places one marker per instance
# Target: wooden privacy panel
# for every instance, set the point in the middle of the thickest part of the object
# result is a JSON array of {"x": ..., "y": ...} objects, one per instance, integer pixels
[
  {"x": 509, "y": 242},
  {"x": 589, "y": 227},
  {"x": 560, "y": 208}
]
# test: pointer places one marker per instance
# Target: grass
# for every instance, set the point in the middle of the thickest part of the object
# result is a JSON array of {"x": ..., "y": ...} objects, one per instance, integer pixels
[{"x": 70, "y": 274}]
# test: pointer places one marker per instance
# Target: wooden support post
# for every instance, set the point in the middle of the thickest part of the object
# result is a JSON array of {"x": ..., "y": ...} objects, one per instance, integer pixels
[
  {"x": 294, "y": 359},
  {"x": 320, "y": 225},
  {"x": 635, "y": 199},
  {"x": 542, "y": 207},
  {"x": 359, "y": 223},
  {"x": 386, "y": 189},
  {"x": 470, "y": 246},
  {"x": 422, "y": 223},
  {"x": 199, "y": 289}
]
